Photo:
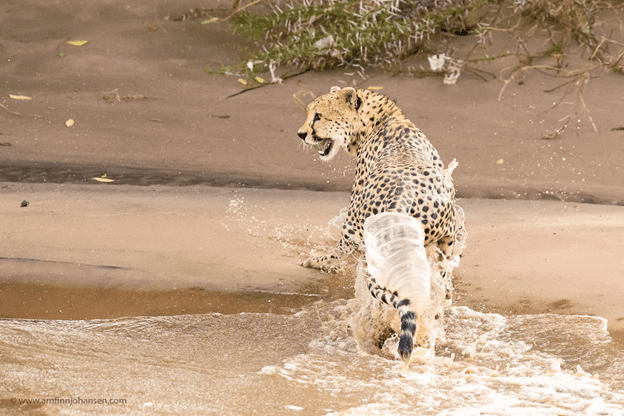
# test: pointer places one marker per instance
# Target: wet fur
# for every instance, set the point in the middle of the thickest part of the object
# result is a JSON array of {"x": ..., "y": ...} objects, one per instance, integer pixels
[{"x": 398, "y": 170}]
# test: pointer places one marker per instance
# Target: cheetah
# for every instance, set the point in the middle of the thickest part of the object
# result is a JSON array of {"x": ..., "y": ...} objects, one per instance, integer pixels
[{"x": 398, "y": 170}]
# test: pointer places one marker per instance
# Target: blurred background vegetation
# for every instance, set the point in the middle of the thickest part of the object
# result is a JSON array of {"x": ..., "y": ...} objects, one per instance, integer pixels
[{"x": 359, "y": 34}]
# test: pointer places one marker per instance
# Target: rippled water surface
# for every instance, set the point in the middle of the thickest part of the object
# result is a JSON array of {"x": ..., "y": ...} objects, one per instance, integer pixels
[{"x": 307, "y": 364}]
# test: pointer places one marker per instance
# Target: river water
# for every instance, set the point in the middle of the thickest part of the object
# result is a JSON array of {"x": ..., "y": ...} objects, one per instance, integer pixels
[
  {"x": 307, "y": 363},
  {"x": 302, "y": 359}
]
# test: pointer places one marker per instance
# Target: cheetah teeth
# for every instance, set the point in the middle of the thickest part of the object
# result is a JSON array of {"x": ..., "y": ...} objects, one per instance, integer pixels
[{"x": 325, "y": 147}]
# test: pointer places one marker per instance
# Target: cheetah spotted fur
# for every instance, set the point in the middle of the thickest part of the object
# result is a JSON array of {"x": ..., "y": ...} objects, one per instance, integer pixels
[{"x": 397, "y": 170}]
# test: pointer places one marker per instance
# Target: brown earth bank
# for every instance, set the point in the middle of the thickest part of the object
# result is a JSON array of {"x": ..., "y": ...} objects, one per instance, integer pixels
[
  {"x": 145, "y": 113},
  {"x": 140, "y": 100},
  {"x": 101, "y": 251}
]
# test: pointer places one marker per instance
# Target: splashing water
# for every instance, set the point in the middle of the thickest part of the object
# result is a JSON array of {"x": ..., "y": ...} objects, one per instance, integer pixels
[
  {"x": 309, "y": 362},
  {"x": 397, "y": 261},
  {"x": 486, "y": 365},
  {"x": 296, "y": 239}
]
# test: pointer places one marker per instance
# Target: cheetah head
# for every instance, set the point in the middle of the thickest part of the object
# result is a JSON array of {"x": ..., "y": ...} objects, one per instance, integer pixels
[{"x": 332, "y": 122}]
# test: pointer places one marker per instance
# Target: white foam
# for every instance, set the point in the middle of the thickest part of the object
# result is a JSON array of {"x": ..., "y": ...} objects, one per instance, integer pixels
[
  {"x": 263, "y": 363},
  {"x": 482, "y": 368},
  {"x": 293, "y": 407}
]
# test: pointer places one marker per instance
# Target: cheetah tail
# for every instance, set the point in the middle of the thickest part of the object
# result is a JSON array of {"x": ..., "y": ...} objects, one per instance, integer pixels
[
  {"x": 396, "y": 259},
  {"x": 407, "y": 316}
]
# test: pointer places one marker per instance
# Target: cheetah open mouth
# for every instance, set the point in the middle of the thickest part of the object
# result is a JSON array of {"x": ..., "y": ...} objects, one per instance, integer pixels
[{"x": 325, "y": 146}]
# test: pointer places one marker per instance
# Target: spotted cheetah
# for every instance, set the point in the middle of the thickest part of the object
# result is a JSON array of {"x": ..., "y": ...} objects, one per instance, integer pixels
[{"x": 398, "y": 170}]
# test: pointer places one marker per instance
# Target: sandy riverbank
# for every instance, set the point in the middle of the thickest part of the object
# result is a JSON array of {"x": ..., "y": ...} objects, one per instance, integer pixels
[
  {"x": 103, "y": 251},
  {"x": 146, "y": 114}
]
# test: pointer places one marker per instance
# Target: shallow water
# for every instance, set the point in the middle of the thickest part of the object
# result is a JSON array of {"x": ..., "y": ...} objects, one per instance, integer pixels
[
  {"x": 308, "y": 364},
  {"x": 301, "y": 358}
]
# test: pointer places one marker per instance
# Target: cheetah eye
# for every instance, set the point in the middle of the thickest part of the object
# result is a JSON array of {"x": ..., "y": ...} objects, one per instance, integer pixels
[{"x": 317, "y": 117}]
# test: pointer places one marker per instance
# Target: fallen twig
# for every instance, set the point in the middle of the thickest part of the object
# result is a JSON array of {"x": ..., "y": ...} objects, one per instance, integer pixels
[
  {"x": 264, "y": 85},
  {"x": 12, "y": 112},
  {"x": 478, "y": 72},
  {"x": 241, "y": 9}
]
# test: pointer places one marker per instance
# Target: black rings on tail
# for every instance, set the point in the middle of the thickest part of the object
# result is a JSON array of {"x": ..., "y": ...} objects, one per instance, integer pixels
[{"x": 408, "y": 317}]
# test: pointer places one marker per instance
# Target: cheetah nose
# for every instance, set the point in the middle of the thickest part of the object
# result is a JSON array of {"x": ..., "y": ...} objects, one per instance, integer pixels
[{"x": 302, "y": 134}]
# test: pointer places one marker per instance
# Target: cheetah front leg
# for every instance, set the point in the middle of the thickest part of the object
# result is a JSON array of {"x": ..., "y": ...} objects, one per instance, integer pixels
[
  {"x": 330, "y": 261},
  {"x": 352, "y": 236}
]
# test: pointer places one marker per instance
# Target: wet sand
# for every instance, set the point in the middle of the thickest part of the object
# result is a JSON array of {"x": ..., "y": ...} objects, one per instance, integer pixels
[
  {"x": 83, "y": 249},
  {"x": 105, "y": 251},
  {"x": 175, "y": 124}
]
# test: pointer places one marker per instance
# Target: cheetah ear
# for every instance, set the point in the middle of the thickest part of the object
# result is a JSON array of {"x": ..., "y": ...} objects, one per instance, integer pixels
[
  {"x": 334, "y": 89},
  {"x": 351, "y": 97}
]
